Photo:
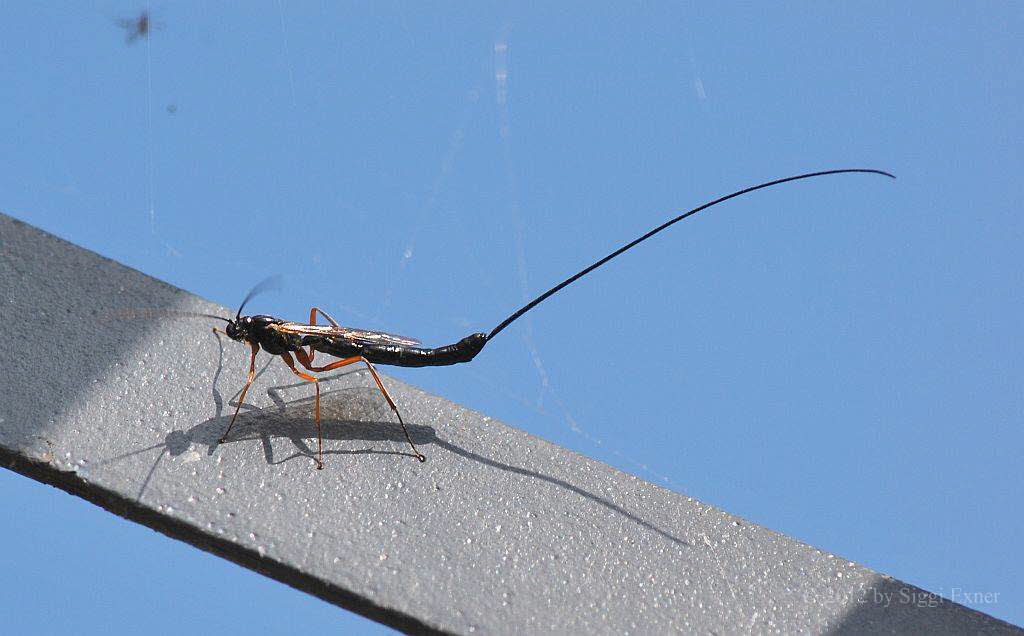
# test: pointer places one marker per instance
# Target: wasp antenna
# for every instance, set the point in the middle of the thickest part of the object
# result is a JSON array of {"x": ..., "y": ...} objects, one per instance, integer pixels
[
  {"x": 267, "y": 284},
  {"x": 132, "y": 314},
  {"x": 568, "y": 281}
]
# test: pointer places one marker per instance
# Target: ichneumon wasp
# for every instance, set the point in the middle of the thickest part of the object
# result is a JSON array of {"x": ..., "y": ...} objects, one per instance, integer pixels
[{"x": 282, "y": 338}]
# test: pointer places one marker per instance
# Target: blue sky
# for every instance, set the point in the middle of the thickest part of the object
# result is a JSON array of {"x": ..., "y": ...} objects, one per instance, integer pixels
[{"x": 839, "y": 360}]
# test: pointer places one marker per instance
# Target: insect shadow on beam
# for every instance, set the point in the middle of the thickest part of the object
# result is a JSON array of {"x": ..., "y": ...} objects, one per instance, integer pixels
[{"x": 353, "y": 346}]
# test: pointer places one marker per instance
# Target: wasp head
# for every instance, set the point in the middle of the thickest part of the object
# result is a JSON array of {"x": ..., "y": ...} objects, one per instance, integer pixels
[
  {"x": 251, "y": 328},
  {"x": 239, "y": 329}
]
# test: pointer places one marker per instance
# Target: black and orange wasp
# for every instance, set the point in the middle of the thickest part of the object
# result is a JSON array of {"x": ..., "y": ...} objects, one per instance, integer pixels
[{"x": 304, "y": 340}]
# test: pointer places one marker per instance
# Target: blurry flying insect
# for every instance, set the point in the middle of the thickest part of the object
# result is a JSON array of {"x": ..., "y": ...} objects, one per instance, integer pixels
[
  {"x": 136, "y": 28},
  {"x": 282, "y": 338}
]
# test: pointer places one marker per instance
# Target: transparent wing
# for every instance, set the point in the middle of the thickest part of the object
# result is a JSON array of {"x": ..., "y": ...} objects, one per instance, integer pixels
[{"x": 362, "y": 336}]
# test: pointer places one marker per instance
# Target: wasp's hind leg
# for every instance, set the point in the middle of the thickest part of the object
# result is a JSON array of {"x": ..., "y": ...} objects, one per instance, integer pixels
[{"x": 308, "y": 363}]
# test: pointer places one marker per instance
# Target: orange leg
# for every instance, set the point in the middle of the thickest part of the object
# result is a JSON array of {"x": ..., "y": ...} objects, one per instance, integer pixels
[
  {"x": 312, "y": 320},
  {"x": 241, "y": 398},
  {"x": 287, "y": 357},
  {"x": 308, "y": 363},
  {"x": 314, "y": 311}
]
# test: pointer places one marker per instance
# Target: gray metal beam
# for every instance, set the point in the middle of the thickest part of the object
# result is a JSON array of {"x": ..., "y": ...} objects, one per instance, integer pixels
[{"x": 498, "y": 531}]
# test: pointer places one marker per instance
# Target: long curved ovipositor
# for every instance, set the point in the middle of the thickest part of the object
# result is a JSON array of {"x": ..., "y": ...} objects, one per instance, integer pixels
[{"x": 282, "y": 338}]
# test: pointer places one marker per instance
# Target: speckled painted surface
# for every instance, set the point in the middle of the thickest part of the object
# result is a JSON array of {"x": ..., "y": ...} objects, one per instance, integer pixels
[{"x": 497, "y": 532}]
